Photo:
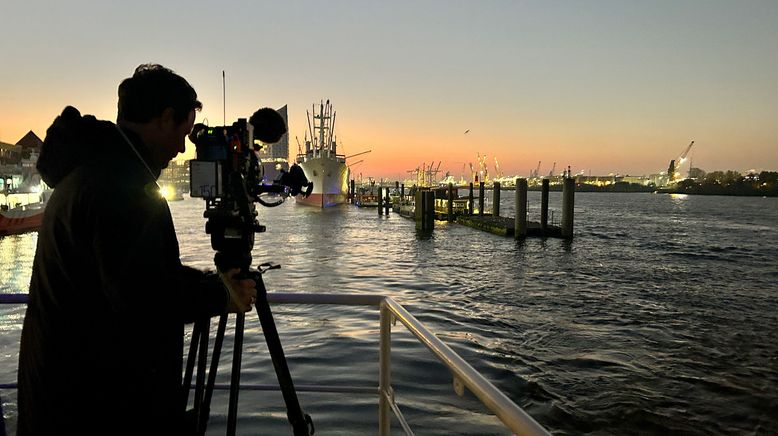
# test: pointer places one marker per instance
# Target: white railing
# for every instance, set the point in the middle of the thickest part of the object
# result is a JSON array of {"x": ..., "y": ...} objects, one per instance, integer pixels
[{"x": 465, "y": 376}]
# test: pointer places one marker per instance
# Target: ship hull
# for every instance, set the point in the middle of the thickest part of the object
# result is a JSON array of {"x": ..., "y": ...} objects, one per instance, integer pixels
[
  {"x": 20, "y": 220},
  {"x": 330, "y": 182},
  {"x": 323, "y": 200}
]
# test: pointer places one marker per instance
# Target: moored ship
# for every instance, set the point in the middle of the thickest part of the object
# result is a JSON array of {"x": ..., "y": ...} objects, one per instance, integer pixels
[
  {"x": 321, "y": 163},
  {"x": 23, "y": 218}
]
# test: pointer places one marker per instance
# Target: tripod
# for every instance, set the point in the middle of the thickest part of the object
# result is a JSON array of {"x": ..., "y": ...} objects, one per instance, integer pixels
[{"x": 302, "y": 425}]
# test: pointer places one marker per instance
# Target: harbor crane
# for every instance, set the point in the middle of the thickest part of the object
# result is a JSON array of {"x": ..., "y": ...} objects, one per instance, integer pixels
[
  {"x": 434, "y": 174},
  {"x": 417, "y": 172},
  {"x": 426, "y": 175},
  {"x": 536, "y": 172},
  {"x": 673, "y": 172},
  {"x": 553, "y": 169},
  {"x": 299, "y": 146},
  {"x": 483, "y": 171},
  {"x": 497, "y": 168}
]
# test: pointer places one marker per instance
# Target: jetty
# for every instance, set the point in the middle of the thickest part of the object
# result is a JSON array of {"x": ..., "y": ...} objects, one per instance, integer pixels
[{"x": 426, "y": 205}]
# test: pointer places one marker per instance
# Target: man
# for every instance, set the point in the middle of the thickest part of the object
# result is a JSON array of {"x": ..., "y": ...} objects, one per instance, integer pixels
[{"x": 102, "y": 342}]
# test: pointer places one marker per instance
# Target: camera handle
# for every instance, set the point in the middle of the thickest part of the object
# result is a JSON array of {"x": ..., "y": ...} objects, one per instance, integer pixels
[{"x": 302, "y": 425}]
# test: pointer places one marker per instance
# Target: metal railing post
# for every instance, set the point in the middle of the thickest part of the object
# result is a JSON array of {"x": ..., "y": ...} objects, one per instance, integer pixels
[{"x": 385, "y": 371}]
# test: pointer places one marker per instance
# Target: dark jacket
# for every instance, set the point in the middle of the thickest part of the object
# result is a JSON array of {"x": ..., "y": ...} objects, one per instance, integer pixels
[{"x": 102, "y": 342}]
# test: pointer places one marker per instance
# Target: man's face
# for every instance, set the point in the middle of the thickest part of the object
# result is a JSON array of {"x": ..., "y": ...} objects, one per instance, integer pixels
[{"x": 172, "y": 137}]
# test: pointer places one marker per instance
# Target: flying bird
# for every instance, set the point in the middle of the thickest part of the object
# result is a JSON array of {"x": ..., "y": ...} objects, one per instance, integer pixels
[{"x": 466, "y": 131}]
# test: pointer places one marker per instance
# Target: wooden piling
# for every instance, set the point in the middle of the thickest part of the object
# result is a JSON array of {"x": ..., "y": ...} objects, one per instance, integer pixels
[
  {"x": 380, "y": 201},
  {"x": 496, "y": 199},
  {"x": 352, "y": 193},
  {"x": 418, "y": 201},
  {"x": 544, "y": 206},
  {"x": 387, "y": 202},
  {"x": 425, "y": 210},
  {"x": 568, "y": 206},
  {"x": 520, "y": 224},
  {"x": 430, "y": 210},
  {"x": 450, "y": 211},
  {"x": 470, "y": 197},
  {"x": 480, "y": 198}
]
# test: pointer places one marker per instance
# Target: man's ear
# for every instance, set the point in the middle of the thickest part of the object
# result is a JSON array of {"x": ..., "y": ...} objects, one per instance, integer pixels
[{"x": 167, "y": 116}]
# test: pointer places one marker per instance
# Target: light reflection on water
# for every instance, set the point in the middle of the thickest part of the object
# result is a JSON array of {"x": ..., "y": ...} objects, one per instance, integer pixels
[
  {"x": 16, "y": 254},
  {"x": 659, "y": 317}
]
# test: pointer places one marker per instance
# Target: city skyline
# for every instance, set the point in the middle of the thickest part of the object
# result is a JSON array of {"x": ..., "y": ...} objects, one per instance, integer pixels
[{"x": 603, "y": 87}]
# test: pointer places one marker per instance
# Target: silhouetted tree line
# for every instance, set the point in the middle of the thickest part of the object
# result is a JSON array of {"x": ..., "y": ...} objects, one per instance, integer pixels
[{"x": 731, "y": 182}]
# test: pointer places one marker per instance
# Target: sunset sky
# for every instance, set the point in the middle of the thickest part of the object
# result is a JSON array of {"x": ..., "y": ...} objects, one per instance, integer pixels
[{"x": 602, "y": 86}]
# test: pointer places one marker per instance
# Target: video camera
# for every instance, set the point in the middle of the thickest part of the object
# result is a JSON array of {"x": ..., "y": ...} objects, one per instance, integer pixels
[{"x": 228, "y": 175}]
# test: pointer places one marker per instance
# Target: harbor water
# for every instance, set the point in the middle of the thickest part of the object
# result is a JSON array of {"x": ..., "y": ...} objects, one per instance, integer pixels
[{"x": 659, "y": 317}]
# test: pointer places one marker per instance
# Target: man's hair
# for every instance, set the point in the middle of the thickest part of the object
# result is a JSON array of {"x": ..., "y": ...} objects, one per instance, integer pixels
[{"x": 152, "y": 89}]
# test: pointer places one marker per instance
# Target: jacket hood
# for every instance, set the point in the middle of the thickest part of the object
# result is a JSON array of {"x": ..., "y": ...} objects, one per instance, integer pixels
[{"x": 71, "y": 141}]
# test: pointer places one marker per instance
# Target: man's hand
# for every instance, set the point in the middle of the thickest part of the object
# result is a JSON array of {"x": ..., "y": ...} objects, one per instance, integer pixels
[{"x": 243, "y": 292}]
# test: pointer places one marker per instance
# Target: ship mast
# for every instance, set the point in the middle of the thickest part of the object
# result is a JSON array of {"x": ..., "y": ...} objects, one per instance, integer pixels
[{"x": 321, "y": 128}]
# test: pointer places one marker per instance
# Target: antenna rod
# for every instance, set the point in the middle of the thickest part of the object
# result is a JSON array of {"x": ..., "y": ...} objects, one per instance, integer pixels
[
  {"x": 332, "y": 126},
  {"x": 310, "y": 129},
  {"x": 224, "y": 99}
]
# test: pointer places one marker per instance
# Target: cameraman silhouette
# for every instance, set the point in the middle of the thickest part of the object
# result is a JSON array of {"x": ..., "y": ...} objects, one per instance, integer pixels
[{"x": 102, "y": 342}]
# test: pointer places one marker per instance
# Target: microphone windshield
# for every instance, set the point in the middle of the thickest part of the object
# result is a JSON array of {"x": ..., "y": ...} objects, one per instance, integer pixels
[{"x": 269, "y": 125}]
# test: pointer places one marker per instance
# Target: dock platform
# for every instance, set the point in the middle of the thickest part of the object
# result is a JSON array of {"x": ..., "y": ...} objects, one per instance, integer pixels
[
  {"x": 425, "y": 206},
  {"x": 505, "y": 226}
]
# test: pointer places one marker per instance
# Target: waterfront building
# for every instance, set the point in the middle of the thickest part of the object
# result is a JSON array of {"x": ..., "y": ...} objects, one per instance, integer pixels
[
  {"x": 176, "y": 175},
  {"x": 17, "y": 164}
]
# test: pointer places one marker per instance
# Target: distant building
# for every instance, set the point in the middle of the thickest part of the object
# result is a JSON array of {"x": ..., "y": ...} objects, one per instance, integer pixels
[
  {"x": 176, "y": 175},
  {"x": 659, "y": 179},
  {"x": 12, "y": 154},
  {"x": 17, "y": 164},
  {"x": 696, "y": 173},
  {"x": 30, "y": 143},
  {"x": 637, "y": 180}
]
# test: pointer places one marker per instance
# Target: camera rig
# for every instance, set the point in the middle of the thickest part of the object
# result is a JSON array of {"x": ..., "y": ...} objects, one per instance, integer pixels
[{"x": 228, "y": 175}]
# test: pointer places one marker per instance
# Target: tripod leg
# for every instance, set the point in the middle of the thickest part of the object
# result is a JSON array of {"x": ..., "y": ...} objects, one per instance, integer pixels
[
  {"x": 294, "y": 413},
  {"x": 232, "y": 412},
  {"x": 202, "y": 361},
  {"x": 190, "y": 360},
  {"x": 215, "y": 355}
]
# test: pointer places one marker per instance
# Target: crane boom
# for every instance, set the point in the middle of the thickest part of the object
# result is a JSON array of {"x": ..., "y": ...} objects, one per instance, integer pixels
[
  {"x": 358, "y": 154},
  {"x": 675, "y": 164},
  {"x": 497, "y": 168},
  {"x": 686, "y": 151}
]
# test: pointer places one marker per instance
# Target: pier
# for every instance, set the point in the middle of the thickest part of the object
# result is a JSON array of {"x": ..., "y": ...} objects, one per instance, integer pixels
[{"x": 426, "y": 205}]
